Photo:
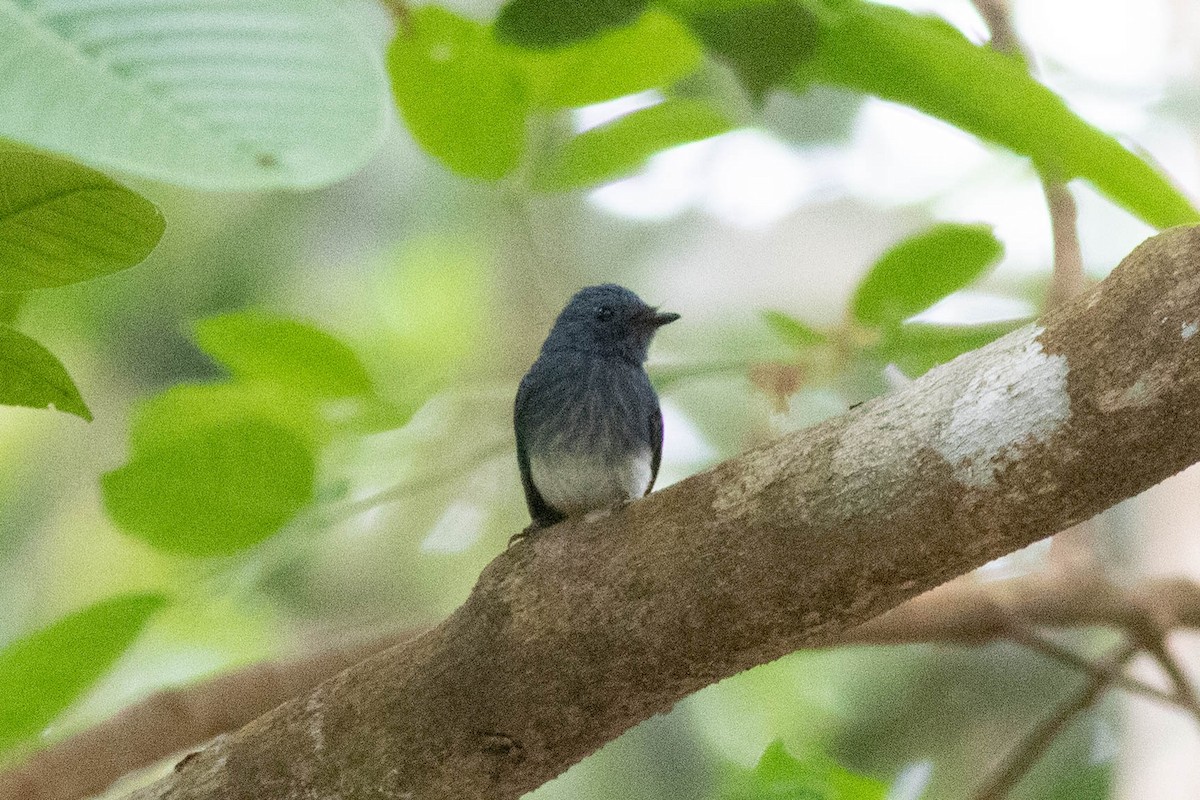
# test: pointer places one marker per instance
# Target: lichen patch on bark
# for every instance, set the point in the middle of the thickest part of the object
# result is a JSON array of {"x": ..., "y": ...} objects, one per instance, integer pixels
[{"x": 1019, "y": 396}]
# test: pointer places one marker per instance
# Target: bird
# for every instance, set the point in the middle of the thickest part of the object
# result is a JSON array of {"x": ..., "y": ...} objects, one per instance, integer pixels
[{"x": 588, "y": 425}]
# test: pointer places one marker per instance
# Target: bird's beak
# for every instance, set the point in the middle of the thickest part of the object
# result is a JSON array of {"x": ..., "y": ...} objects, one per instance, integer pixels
[{"x": 660, "y": 318}]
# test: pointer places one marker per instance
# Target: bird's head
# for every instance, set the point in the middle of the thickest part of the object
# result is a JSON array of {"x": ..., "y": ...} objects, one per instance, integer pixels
[{"x": 607, "y": 320}]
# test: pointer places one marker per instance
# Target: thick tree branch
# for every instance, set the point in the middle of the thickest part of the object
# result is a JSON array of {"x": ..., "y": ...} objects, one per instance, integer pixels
[
  {"x": 955, "y": 614},
  {"x": 588, "y": 628},
  {"x": 172, "y": 720}
]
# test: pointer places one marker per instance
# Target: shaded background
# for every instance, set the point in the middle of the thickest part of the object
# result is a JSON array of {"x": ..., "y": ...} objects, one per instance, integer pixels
[{"x": 446, "y": 287}]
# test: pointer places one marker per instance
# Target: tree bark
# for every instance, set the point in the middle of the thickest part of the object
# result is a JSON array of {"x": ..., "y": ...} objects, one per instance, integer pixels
[{"x": 586, "y": 629}]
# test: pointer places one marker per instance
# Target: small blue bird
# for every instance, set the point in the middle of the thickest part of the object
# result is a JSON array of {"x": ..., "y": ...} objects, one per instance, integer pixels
[{"x": 589, "y": 429}]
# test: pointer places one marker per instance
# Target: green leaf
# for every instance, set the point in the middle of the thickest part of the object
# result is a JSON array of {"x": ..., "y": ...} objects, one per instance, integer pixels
[
  {"x": 31, "y": 376},
  {"x": 191, "y": 409},
  {"x": 653, "y": 52},
  {"x": 62, "y": 223},
  {"x": 764, "y": 41},
  {"x": 555, "y": 23},
  {"x": 44, "y": 672},
  {"x": 918, "y": 347},
  {"x": 781, "y": 776},
  {"x": 1084, "y": 782},
  {"x": 923, "y": 269},
  {"x": 10, "y": 307},
  {"x": 620, "y": 147},
  {"x": 210, "y": 94},
  {"x": 462, "y": 96},
  {"x": 792, "y": 330},
  {"x": 259, "y": 347},
  {"x": 214, "y": 491},
  {"x": 925, "y": 63}
]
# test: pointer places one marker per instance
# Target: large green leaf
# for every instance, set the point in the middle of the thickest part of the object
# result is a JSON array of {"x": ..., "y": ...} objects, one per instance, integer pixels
[
  {"x": 461, "y": 94},
  {"x": 653, "y": 52},
  {"x": 619, "y": 147},
  {"x": 923, "y": 62},
  {"x": 260, "y": 347},
  {"x": 10, "y": 307},
  {"x": 923, "y": 269},
  {"x": 764, "y": 41},
  {"x": 781, "y": 776},
  {"x": 44, "y": 672},
  {"x": 555, "y": 23},
  {"x": 213, "y": 491},
  {"x": 31, "y": 376},
  {"x": 62, "y": 223},
  {"x": 215, "y": 94}
]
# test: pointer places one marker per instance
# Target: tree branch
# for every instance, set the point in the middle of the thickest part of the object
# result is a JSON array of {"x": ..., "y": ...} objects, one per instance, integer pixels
[
  {"x": 1018, "y": 763},
  {"x": 1150, "y": 626},
  {"x": 955, "y": 614},
  {"x": 173, "y": 720},
  {"x": 571, "y": 638},
  {"x": 1101, "y": 671}
]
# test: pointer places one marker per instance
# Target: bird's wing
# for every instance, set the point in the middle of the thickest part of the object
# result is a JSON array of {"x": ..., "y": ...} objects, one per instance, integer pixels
[
  {"x": 543, "y": 513},
  {"x": 656, "y": 440}
]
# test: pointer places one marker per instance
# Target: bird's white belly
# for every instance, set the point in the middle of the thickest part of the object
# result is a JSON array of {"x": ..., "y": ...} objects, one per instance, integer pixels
[{"x": 576, "y": 484}]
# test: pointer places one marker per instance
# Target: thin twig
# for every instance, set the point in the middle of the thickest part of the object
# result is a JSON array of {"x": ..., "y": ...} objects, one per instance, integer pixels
[
  {"x": 1019, "y": 761},
  {"x": 1149, "y": 627},
  {"x": 402, "y": 489},
  {"x": 401, "y": 13},
  {"x": 1068, "y": 278},
  {"x": 1027, "y": 637},
  {"x": 995, "y": 15}
]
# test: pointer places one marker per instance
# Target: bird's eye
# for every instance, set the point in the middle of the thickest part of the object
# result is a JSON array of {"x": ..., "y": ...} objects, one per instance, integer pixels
[{"x": 604, "y": 313}]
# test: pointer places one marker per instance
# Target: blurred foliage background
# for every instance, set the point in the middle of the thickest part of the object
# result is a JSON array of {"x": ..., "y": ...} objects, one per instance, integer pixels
[{"x": 302, "y": 397}]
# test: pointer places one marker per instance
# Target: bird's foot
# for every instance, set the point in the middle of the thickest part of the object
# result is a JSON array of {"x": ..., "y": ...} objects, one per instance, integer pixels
[
  {"x": 599, "y": 514},
  {"x": 604, "y": 513},
  {"x": 530, "y": 529}
]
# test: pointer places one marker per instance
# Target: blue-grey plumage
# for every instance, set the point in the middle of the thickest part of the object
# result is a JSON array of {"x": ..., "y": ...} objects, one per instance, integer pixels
[{"x": 588, "y": 424}]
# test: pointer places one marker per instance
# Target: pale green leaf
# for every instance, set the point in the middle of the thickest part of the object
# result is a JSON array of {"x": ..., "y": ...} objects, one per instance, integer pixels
[
  {"x": 61, "y": 223},
  {"x": 792, "y": 330},
  {"x": 45, "y": 671},
  {"x": 214, "y": 94},
  {"x": 620, "y": 147},
  {"x": 462, "y": 96},
  {"x": 214, "y": 491},
  {"x": 31, "y": 376}
]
